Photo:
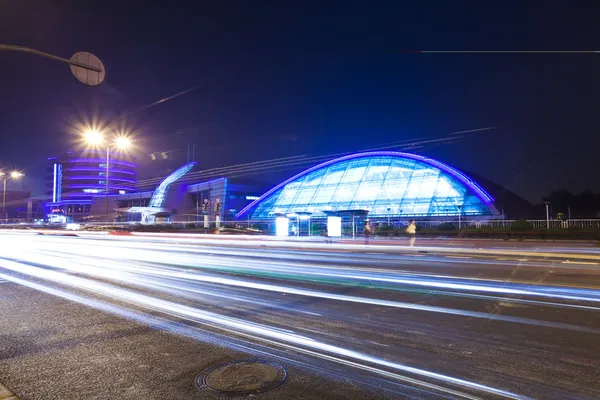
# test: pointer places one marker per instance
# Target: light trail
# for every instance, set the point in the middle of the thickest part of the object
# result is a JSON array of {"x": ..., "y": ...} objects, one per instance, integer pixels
[
  {"x": 98, "y": 268},
  {"x": 303, "y": 269},
  {"x": 234, "y": 326},
  {"x": 238, "y": 292}
]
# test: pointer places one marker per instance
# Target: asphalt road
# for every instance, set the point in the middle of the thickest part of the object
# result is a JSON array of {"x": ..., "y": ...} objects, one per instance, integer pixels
[{"x": 130, "y": 318}]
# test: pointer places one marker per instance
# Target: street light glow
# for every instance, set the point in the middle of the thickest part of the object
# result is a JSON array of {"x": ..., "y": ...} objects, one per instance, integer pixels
[
  {"x": 122, "y": 142},
  {"x": 93, "y": 137},
  {"x": 16, "y": 174}
]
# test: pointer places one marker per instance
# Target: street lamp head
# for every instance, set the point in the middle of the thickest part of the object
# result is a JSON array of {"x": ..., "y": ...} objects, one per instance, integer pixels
[
  {"x": 16, "y": 174},
  {"x": 122, "y": 142},
  {"x": 93, "y": 137}
]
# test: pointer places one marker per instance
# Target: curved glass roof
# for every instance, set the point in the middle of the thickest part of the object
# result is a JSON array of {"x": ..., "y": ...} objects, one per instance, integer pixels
[
  {"x": 160, "y": 194},
  {"x": 385, "y": 183}
]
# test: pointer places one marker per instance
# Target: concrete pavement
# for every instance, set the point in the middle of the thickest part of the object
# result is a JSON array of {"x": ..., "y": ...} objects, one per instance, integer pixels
[{"x": 6, "y": 394}]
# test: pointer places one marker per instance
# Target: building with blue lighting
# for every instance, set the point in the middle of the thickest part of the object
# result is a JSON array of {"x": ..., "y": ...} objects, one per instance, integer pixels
[
  {"x": 379, "y": 184},
  {"x": 75, "y": 178},
  {"x": 374, "y": 185}
]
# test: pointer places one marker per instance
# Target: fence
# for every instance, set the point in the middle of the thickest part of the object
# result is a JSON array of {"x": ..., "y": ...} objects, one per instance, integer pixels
[
  {"x": 318, "y": 227},
  {"x": 506, "y": 223}
]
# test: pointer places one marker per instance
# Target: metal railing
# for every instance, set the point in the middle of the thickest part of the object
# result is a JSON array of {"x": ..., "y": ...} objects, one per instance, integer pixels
[{"x": 506, "y": 223}]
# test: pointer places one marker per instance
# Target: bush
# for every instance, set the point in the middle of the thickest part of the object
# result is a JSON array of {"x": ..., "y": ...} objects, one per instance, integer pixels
[
  {"x": 385, "y": 230},
  {"x": 446, "y": 226},
  {"x": 521, "y": 225},
  {"x": 190, "y": 226}
]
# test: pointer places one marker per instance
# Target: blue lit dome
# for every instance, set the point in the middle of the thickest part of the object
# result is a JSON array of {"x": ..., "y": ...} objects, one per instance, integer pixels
[{"x": 383, "y": 183}]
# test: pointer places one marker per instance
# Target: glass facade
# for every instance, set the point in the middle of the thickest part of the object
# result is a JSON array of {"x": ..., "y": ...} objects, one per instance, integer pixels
[
  {"x": 383, "y": 183},
  {"x": 160, "y": 194}
]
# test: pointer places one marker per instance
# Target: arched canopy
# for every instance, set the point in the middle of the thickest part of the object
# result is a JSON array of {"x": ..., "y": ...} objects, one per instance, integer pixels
[
  {"x": 160, "y": 194},
  {"x": 383, "y": 182}
]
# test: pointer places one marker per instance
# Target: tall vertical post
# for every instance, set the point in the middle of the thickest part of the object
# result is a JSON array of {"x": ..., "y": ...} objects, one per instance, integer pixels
[
  {"x": 106, "y": 180},
  {"x": 547, "y": 216},
  {"x": 4, "y": 200}
]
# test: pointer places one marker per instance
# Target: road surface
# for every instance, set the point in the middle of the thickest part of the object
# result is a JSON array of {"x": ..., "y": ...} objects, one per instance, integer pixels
[{"x": 125, "y": 317}]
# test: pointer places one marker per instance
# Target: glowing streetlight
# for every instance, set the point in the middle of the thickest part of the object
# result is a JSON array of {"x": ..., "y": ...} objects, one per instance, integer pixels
[
  {"x": 122, "y": 143},
  {"x": 93, "y": 138},
  {"x": 96, "y": 138},
  {"x": 14, "y": 175}
]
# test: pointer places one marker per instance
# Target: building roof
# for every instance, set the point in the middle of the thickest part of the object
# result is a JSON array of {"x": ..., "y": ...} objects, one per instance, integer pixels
[{"x": 447, "y": 187}]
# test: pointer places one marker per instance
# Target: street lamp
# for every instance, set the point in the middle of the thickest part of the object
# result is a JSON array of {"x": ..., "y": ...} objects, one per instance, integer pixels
[
  {"x": 96, "y": 138},
  {"x": 14, "y": 175},
  {"x": 547, "y": 203},
  {"x": 86, "y": 67}
]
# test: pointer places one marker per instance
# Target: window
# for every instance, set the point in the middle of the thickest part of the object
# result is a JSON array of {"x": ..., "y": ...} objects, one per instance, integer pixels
[{"x": 121, "y": 192}]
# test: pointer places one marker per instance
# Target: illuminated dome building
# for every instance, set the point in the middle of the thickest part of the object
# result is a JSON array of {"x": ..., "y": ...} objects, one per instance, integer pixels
[{"x": 382, "y": 184}]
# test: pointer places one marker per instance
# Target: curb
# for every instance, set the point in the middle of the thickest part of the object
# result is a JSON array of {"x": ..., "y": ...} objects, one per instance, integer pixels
[{"x": 6, "y": 394}]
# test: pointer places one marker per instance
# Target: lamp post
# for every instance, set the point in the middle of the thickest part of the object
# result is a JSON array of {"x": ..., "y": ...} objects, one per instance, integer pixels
[
  {"x": 459, "y": 216},
  {"x": 96, "y": 138},
  {"x": 547, "y": 203},
  {"x": 86, "y": 67},
  {"x": 14, "y": 175}
]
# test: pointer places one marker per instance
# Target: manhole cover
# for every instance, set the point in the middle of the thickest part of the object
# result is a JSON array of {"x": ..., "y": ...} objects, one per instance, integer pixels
[{"x": 241, "y": 377}]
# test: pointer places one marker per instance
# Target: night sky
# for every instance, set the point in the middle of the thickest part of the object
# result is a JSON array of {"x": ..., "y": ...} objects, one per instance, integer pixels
[{"x": 286, "y": 78}]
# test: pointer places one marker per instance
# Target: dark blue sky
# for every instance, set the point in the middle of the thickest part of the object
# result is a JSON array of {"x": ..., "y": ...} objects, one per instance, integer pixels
[{"x": 289, "y": 78}]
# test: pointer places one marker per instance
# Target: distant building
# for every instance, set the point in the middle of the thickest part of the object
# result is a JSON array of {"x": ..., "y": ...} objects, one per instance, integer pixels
[
  {"x": 74, "y": 178},
  {"x": 188, "y": 202},
  {"x": 19, "y": 206},
  {"x": 76, "y": 191}
]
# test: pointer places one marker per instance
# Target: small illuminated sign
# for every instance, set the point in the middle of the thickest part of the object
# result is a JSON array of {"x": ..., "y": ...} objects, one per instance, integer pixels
[
  {"x": 334, "y": 226},
  {"x": 252, "y": 197},
  {"x": 282, "y": 226}
]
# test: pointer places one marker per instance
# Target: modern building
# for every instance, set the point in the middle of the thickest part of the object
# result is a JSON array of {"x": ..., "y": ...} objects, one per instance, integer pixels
[
  {"x": 74, "y": 178},
  {"x": 186, "y": 202},
  {"x": 374, "y": 185},
  {"x": 19, "y": 206},
  {"x": 379, "y": 184}
]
